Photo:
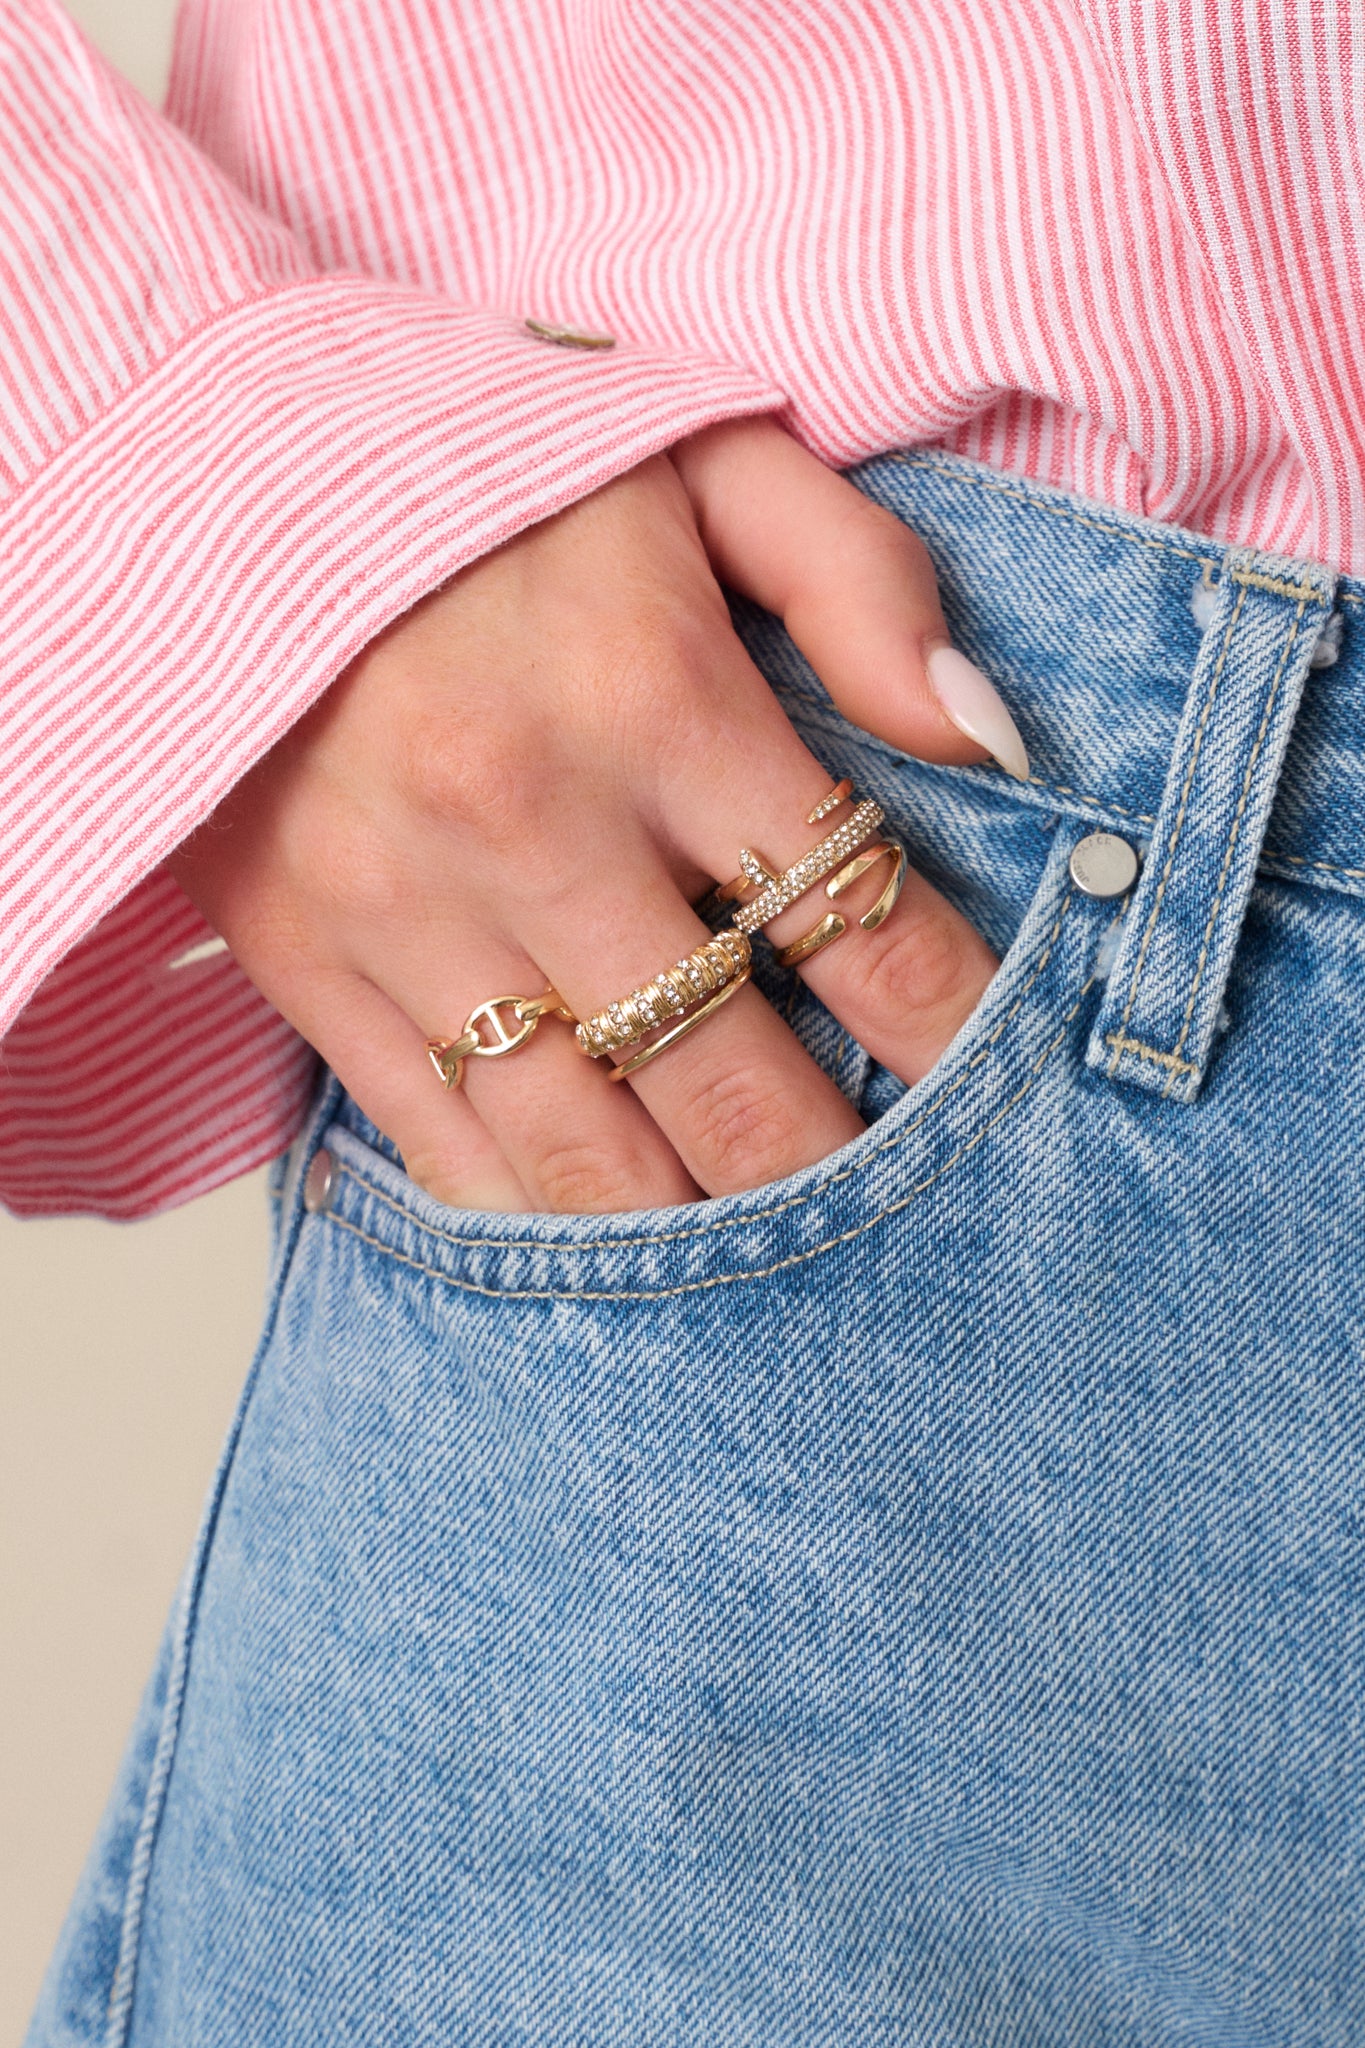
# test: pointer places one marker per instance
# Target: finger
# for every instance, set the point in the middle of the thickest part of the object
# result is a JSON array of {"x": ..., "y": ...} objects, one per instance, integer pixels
[
  {"x": 379, "y": 1056},
  {"x": 582, "y": 1146},
  {"x": 902, "y": 990},
  {"x": 740, "y": 1100},
  {"x": 855, "y": 588},
  {"x": 577, "y": 1145}
]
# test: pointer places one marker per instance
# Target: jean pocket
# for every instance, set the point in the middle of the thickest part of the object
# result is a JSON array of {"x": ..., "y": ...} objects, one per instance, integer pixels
[{"x": 1019, "y": 1044}]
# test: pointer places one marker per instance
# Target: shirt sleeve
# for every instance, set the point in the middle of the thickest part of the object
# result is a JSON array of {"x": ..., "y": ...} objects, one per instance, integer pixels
[{"x": 221, "y": 474}]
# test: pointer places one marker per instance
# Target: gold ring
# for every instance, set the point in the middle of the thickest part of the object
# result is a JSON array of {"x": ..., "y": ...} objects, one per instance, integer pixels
[
  {"x": 755, "y": 872},
  {"x": 832, "y": 926},
  {"x": 448, "y": 1055},
  {"x": 698, "y": 1016},
  {"x": 777, "y": 891},
  {"x": 840, "y": 794},
  {"x": 714, "y": 964}
]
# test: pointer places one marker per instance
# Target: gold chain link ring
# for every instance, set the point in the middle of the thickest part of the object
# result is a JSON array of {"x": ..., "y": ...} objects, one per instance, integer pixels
[{"x": 448, "y": 1055}]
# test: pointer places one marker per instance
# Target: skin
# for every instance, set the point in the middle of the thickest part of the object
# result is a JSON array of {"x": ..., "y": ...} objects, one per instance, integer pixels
[{"x": 533, "y": 775}]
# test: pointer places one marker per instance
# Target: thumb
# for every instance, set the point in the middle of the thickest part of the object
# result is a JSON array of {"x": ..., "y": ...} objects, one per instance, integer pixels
[{"x": 854, "y": 587}]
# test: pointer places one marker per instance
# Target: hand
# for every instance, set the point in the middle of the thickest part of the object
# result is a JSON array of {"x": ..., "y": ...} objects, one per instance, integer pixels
[{"x": 531, "y": 777}]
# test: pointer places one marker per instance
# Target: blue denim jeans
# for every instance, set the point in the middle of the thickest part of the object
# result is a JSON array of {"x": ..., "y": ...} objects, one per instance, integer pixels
[{"x": 919, "y": 1602}]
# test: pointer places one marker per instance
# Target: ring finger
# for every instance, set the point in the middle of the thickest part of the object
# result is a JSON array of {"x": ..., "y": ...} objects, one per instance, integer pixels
[{"x": 575, "y": 1145}]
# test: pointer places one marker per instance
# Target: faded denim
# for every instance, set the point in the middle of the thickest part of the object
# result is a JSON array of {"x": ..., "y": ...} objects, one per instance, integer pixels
[{"x": 919, "y": 1602}]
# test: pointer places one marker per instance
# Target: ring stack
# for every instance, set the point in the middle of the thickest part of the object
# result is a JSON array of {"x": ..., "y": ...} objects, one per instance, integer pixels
[
  {"x": 831, "y": 852},
  {"x": 837, "y": 856},
  {"x": 714, "y": 965}
]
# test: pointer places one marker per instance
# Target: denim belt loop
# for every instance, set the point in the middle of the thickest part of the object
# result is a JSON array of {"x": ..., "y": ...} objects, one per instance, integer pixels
[{"x": 1165, "y": 989}]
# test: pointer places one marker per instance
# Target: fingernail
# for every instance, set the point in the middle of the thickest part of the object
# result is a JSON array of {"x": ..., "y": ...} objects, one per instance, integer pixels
[{"x": 976, "y": 707}]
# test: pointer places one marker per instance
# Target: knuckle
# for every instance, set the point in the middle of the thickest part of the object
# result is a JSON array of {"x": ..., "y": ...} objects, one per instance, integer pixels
[
  {"x": 471, "y": 777},
  {"x": 912, "y": 967},
  {"x": 437, "y": 1177},
  {"x": 581, "y": 1177},
  {"x": 745, "y": 1132},
  {"x": 449, "y": 1182},
  {"x": 878, "y": 524},
  {"x": 884, "y": 540},
  {"x": 450, "y": 1173}
]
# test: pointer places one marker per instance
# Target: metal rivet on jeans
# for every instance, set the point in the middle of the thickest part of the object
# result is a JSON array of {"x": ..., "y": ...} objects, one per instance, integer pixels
[
  {"x": 568, "y": 337},
  {"x": 317, "y": 1182},
  {"x": 1102, "y": 865}
]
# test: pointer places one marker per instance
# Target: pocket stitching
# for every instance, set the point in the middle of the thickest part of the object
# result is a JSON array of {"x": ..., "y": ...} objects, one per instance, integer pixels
[
  {"x": 753, "y": 1273},
  {"x": 536, "y": 1244},
  {"x": 726, "y": 1279}
]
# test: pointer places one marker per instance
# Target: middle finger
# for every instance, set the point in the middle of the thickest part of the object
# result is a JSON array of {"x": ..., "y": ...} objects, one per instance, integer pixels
[{"x": 740, "y": 1099}]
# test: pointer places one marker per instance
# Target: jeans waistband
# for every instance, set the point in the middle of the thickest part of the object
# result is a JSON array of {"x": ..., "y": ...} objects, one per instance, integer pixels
[{"x": 1092, "y": 623}]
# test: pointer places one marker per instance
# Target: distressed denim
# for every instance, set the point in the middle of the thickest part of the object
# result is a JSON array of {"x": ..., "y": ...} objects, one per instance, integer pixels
[{"x": 919, "y": 1602}]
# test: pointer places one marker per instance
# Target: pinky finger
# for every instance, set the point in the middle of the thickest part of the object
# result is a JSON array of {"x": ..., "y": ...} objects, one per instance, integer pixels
[{"x": 379, "y": 1056}]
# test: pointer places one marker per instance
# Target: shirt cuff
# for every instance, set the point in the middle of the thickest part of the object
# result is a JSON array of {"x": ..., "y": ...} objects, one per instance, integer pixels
[{"x": 185, "y": 578}]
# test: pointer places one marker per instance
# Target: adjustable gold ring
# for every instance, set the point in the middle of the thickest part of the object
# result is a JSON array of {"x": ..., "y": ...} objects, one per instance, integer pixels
[
  {"x": 832, "y": 925},
  {"x": 755, "y": 872},
  {"x": 777, "y": 891},
  {"x": 715, "y": 964},
  {"x": 840, "y": 794},
  {"x": 448, "y": 1055},
  {"x": 689, "y": 1023}
]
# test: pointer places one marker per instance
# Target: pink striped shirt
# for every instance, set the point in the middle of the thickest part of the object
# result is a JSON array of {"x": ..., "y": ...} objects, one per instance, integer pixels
[{"x": 264, "y": 382}]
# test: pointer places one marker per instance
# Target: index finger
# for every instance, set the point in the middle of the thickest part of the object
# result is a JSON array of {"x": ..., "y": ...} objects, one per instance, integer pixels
[{"x": 904, "y": 989}]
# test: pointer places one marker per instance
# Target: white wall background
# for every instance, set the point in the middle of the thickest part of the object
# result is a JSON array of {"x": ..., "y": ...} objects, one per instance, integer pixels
[
  {"x": 121, "y": 1352},
  {"x": 134, "y": 34}
]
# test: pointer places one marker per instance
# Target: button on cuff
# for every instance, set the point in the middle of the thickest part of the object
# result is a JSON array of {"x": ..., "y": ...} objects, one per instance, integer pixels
[{"x": 568, "y": 337}]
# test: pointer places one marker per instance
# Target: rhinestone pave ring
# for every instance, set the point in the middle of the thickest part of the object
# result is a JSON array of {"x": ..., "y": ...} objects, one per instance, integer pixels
[
  {"x": 718, "y": 961},
  {"x": 812, "y": 867}
]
